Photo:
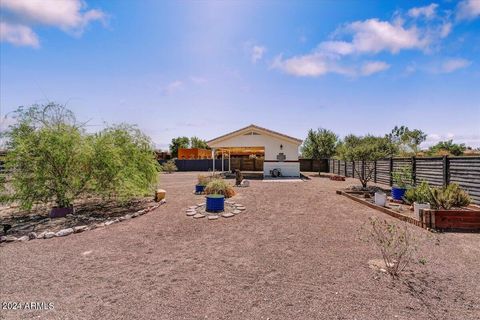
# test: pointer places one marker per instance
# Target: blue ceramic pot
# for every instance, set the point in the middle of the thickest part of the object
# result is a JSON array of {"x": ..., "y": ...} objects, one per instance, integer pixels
[
  {"x": 398, "y": 193},
  {"x": 199, "y": 188},
  {"x": 215, "y": 203}
]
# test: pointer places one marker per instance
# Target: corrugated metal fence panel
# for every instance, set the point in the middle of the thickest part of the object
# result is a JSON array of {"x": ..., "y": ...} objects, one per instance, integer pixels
[
  {"x": 199, "y": 164},
  {"x": 430, "y": 170},
  {"x": 342, "y": 167},
  {"x": 349, "y": 169},
  {"x": 331, "y": 165},
  {"x": 400, "y": 163},
  {"x": 466, "y": 172},
  {"x": 314, "y": 165},
  {"x": 383, "y": 171}
]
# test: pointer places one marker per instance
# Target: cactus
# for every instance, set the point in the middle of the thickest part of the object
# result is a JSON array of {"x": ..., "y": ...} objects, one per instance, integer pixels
[{"x": 449, "y": 197}]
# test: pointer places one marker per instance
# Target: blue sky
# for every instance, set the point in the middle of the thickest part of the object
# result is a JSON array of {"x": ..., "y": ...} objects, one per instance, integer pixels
[{"x": 206, "y": 68}]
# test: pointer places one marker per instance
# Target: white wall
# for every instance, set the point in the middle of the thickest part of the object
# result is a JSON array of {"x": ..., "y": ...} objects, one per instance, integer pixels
[
  {"x": 270, "y": 143},
  {"x": 288, "y": 169}
]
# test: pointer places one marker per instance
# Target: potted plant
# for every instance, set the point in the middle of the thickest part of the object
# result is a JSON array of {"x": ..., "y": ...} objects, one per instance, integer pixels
[
  {"x": 402, "y": 179},
  {"x": 420, "y": 197},
  {"x": 201, "y": 184},
  {"x": 215, "y": 203}
]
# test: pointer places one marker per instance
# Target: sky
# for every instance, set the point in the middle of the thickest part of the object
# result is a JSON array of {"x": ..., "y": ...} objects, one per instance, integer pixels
[{"x": 205, "y": 68}]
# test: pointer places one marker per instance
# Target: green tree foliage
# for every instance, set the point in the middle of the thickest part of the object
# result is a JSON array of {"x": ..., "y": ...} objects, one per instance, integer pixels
[
  {"x": 365, "y": 149},
  {"x": 408, "y": 141},
  {"x": 196, "y": 142},
  {"x": 319, "y": 144},
  {"x": 178, "y": 143},
  {"x": 447, "y": 148},
  {"x": 169, "y": 166},
  {"x": 51, "y": 158}
]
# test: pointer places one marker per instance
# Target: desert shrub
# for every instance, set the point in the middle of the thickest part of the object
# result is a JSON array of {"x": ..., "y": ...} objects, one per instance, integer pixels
[
  {"x": 402, "y": 178},
  {"x": 449, "y": 197},
  {"x": 50, "y": 157},
  {"x": 169, "y": 166},
  {"x": 420, "y": 194},
  {"x": 203, "y": 180},
  {"x": 396, "y": 244},
  {"x": 220, "y": 186}
]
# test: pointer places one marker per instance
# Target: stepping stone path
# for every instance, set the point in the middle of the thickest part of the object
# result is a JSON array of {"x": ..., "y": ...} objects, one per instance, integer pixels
[{"x": 199, "y": 211}]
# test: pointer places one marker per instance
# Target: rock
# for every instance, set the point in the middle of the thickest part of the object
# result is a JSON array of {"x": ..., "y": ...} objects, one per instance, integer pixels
[
  {"x": 213, "y": 217},
  {"x": 109, "y": 222},
  {"x": 41, "y": 235},
  {"x": 228, "y": 215},
  {"x": 49, "y": 235},
  {"x": 163, "y": 201},
  {"x": 121, "y": 218},
  {"x": 200, "y": 204},
  {"x": 8, "y": 239},
  {"x": 245, "y": 183},
  {"x": 64, "y": 232},
  {"x": 191, "y": 213},
  {"x": 198, "y": 216},
  {"x": 230, "y": 202},
  {"x": 192, "y": 207},
  {"x": 241, "y": 208},
  {"x": 160, "y": 195},
  {"x": 79, "y": 229},
  {"x": 3, "y": 239},
  {"x": 32, "y": 235},
  {"x": 237, "y": 211},
  {"x": 128, "y": 216},
  {"x": 238, "y": 205},
  {"x": 24, "y": 238}
]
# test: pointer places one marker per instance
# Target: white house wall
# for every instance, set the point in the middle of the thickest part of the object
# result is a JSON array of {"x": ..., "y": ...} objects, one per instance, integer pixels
[{"x": 270, "y": 143}]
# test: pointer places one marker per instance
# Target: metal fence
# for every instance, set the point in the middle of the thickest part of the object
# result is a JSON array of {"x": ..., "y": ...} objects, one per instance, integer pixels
[
  {"x": 437, "y": 171},
  {"x": 199, "y": 164}
]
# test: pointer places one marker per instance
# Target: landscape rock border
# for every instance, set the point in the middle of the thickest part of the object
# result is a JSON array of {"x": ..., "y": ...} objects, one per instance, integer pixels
[
  {"x": 231, "y": 210},
  {"x": 78, "y": 229}
]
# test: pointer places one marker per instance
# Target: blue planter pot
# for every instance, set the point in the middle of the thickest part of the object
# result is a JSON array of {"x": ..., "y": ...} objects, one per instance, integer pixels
[
  {"x": 398, "y": 193},
  {"x": 199, "y": 188},
  {"x": 215, "y": 203}
]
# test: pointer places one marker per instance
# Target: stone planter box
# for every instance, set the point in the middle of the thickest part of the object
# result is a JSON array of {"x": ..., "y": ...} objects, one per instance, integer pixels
[{"x": 467, "y": 219}]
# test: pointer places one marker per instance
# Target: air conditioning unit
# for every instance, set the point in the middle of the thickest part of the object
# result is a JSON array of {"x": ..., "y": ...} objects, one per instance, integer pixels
[{"x": 277, "y": 172}]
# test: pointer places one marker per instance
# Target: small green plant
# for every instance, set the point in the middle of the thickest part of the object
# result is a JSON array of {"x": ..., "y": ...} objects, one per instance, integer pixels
[
  {"x": 449, "y": 197},
  {"x": 395, "y": 242},
  {"x": 169, "y": 166},
  {"x": 402, "y": 178},
  {"x": 220, "y": 186},
  {"x": 422, "y": 261},
  {"x": 419, "y": 194}
]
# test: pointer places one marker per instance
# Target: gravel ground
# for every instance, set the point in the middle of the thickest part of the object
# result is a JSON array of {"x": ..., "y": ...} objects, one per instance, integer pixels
[{"x": 294, "y": 254}]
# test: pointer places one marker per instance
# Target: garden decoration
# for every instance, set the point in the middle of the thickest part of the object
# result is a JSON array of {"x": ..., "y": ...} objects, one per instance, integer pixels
[{"x": 402, "y": 179}]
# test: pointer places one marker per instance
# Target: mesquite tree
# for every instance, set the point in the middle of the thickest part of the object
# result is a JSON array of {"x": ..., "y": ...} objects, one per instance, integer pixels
[
  {"x": 319, "y": 144},
  {"x": 365, "y": 150},
  {"x": 50, "y": 157}
]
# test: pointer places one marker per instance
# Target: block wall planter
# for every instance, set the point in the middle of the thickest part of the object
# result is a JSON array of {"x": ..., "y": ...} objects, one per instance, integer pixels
[{"x": 451, "y": 220}]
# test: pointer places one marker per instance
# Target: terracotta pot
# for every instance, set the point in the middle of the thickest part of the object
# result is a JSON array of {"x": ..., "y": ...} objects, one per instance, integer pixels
[{"x": 57, "y": 212}]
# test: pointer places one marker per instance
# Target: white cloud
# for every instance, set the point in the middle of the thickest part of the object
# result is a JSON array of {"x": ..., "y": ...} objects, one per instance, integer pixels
[
  {"x": 428, "y": 11},
  {"x": 257, "y": 53},
  {"x": 18, "y": 35},
  {"x": 452, "y": 65},
  {"x": 372, "y": 67},
  {"x": 172, "y": 87},
  {"x": 198, "y": 80},
  {"x": 68, "y": 15},
  {"x": 468, "y": 10},
  {"x": 312, "y": 65}
]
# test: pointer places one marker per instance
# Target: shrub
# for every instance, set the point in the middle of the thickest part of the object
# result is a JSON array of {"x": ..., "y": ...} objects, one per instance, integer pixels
[
  {"x": 402, "y": 178},
  {"x": 395, "y": 243},
  {"x": 169, "y": 166},
  {"x": 420, "y": 194},
  {"x": 449, "y": 197},
  {"x": 51, "y": 158},
  {"x": 220, "y": 186},
  {"x": 203, "y": 180}
]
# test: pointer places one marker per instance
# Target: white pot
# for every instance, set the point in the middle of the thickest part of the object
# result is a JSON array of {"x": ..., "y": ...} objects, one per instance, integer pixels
[
  {"x": 417, "y": 206},
  {"x": 380, "y": 199}
]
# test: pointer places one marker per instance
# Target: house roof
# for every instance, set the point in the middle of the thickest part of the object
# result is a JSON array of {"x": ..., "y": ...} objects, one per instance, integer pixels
[{"x": 256, "y": 128}]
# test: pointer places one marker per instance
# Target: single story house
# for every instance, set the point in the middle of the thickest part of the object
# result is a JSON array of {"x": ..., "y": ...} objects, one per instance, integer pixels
[{"x": 279, "y": 150}]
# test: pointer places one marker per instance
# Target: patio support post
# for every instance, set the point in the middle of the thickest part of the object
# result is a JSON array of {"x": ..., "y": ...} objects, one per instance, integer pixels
[
  {"x": 213, "y": 160},
  {"x": 222, "y": 163}
]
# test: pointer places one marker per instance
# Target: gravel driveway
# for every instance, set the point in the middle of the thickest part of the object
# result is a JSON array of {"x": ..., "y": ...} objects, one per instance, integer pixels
[{"x": 294, "y": 254}]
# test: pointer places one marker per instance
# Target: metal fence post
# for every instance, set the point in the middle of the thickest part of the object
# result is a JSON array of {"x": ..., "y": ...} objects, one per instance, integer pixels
[
  {"x": 446, "y": 163},
  {"x": 414, "y": 170},
  {"x": 345, "y": 168},
  {"x": 353, "y": 169},
  {"x": 338, "y": 167},
  {"x": 375, "y": 171},
  {"x": 391, "y": 171},
  {"x": 363, "y": 169}
]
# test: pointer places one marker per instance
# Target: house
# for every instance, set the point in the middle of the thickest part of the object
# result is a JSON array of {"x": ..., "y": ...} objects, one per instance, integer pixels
[
  {"x": 274, "y": 150},
  {"x": 194, "y": 153}
]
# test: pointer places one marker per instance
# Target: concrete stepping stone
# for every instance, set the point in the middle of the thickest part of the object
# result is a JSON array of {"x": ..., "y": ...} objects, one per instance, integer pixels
[
  {"x": 198, "y": 216},
  {"x": 192, "y": 207},
  {"x": 201, "y": 204},
  {"x": 241, "y": 208},
  {"x": 237, "y": 211},
  {"x": 213, "y": 217},
  {"x": 191, "y": 213},
  {"x": 228, "y": 215}
]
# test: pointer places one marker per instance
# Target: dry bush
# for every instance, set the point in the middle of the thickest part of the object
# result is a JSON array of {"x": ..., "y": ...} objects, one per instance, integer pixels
[
  {"x": 220, "y": 186},
  {"x": 397, "y": 245}
]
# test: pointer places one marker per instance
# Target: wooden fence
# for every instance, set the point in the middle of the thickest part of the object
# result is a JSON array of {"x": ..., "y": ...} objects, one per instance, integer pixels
[{"x": 437, "y": 171}]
